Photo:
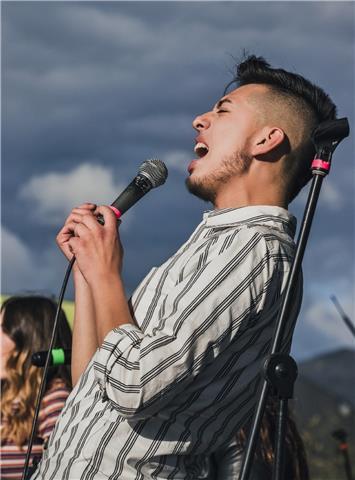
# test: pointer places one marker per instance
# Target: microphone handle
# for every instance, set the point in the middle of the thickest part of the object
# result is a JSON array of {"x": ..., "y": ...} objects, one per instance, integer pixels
[
  {"x": 59, "y": 356},
  {"x": 139, "y": 186}
]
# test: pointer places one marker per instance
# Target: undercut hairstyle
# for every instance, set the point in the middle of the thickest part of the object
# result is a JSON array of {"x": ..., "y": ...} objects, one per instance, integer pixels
[{"x": 306, "y": 102}]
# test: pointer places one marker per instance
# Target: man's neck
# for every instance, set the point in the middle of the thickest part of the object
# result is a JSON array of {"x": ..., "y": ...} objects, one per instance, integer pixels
[{"x": 243, "y": 193}]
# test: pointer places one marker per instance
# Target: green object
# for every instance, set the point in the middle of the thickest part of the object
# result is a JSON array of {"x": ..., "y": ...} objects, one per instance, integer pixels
[{"x": 58, "y": 356}]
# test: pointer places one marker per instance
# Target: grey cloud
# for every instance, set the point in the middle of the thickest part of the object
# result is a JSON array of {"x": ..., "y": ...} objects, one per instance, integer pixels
[
  {"x": 54, "y": 194},
  {"x": 119, "y": 82}
]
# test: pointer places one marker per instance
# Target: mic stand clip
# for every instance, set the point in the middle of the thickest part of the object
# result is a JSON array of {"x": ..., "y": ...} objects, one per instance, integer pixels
[{"x": 280, "y": 371}]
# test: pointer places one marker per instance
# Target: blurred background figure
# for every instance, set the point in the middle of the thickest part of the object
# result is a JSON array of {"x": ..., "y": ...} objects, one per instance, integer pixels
[
  {"x": 228, "y": 462},
  {"x": 26, "y": 327}
]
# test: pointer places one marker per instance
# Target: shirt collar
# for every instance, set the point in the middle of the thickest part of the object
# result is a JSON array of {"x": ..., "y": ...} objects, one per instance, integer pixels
[{"x": 266, "y": 215}]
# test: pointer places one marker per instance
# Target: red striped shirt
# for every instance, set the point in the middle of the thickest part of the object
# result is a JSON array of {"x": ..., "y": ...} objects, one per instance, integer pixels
[{"x": 12, "y": 458}]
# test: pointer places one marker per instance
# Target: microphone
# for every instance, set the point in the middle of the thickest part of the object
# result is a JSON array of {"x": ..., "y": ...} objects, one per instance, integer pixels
[
  {"x": 59, "y": 356},
  {"x": 151, "y": 174}
]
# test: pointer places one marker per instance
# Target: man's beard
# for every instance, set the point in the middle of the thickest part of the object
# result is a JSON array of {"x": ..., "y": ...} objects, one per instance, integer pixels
[{"x": 208, "y": 186}]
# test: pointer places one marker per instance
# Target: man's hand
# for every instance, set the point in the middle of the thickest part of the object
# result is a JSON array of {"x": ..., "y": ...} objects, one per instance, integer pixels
[
  {"x": 97, "y": 247},
  {"x": 67, "y": 232}
]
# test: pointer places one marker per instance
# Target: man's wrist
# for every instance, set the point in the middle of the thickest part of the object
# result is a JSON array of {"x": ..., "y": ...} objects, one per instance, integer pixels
[
  {"x": 106, "y": 284},
  {"x": 78, "y": 277},
  {"x": 110, "y": 304}
]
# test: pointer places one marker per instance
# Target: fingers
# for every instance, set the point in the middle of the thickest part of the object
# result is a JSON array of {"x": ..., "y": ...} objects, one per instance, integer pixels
[
  {"x": 80, "y": 225},
  {"x": 68, "y": 228},
  {"x": 81, "y": 210},
  {"x": 73, "y": 244},
  {"x": 80, "y": 230},
  {"x": 82, "y": 219},
  {"x": 88, "y": 206},
  {"x": 76, "y": 215},
  {"x": 109, "y": 216},
  {"x": 74, "y": 218},
  {"x": 89, "y": 211},
  {"x": 84, "y": 209}
]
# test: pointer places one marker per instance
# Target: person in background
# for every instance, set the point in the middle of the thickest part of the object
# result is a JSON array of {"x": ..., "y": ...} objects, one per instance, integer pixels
[
  {"x": 26, "y": 327},
  {"x": 228, "y": 461}
]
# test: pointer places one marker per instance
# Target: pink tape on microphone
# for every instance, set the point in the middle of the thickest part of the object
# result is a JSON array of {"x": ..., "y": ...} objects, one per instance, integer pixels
[
  {"x": 319, "y": 163},
  {"x": 116, "y": 212}
]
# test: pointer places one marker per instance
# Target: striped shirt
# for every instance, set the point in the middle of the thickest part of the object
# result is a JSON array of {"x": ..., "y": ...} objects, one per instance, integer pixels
[
  {"x": 13, "y": 457},
  {"x": 158, "y": 398}
]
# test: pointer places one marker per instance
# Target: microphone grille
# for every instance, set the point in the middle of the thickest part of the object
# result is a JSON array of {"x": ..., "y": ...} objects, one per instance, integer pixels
[{"x": 155, "y": 170}]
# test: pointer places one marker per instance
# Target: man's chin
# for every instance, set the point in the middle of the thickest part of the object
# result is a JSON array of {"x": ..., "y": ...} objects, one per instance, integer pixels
[{"x": 200, "y": 190}]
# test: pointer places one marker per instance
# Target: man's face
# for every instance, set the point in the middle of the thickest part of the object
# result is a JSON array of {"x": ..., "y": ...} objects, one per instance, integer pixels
[{"x": 223, "y": 143}]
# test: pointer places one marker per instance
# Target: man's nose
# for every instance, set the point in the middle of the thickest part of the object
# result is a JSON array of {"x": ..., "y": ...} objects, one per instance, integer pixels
[{"x": 201, "y": 122}]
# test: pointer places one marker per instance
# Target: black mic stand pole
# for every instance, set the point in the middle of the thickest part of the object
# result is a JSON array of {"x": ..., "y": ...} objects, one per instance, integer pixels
[{"x": 279, "y": 370}]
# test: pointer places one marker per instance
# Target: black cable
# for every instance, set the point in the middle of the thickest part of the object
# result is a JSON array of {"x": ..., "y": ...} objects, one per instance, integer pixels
[
  {"x": 45, "y": 369},
  {"x": 152, "y": 174}
]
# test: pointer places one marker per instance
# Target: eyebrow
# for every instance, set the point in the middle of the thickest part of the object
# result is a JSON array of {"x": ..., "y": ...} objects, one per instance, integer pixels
[{"x": 221, "y": 102}]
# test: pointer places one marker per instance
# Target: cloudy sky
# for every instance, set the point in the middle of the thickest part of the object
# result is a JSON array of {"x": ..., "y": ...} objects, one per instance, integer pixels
[{"x": 91, "y": 89}]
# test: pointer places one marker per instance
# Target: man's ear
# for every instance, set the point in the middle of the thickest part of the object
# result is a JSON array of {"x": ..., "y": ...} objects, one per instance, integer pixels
[{"x": 268, "y": 140}]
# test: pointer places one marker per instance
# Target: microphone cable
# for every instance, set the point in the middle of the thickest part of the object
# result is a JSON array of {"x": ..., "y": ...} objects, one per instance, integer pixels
[
  {"x": 151, "y": 174},
  {"x": 45, "y": 372}
]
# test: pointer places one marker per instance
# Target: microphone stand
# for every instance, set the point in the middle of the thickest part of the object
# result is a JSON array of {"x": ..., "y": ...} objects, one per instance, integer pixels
[{"x": 280, "y": 370}]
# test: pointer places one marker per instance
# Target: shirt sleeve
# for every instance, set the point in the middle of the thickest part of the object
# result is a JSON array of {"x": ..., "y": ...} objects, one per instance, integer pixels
[{"x": 198, "y": 319}]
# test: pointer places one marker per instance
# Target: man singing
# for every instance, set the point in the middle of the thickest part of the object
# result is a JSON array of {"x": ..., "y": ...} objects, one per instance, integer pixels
[{"x": 168, "y": 378}]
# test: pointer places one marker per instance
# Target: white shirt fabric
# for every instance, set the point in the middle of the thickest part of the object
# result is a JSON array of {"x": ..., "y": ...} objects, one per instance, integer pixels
[{"x": 158, "y": 398}]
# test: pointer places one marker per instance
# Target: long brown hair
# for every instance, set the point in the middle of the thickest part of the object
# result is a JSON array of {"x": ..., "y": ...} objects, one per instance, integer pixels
[
  {"x": 296, "y": 467},
  {"x": 28, "y": 321}
]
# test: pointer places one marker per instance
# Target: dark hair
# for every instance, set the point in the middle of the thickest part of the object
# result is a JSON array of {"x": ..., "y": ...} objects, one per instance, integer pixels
[
  {"x": 29, "y": 320},
  {"x": 296, "y": 467},
  {"x": 310, "y": 99}
]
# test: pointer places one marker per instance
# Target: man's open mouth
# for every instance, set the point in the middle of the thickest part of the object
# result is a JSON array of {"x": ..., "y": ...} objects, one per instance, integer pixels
[{"x": 201, "y": 149}]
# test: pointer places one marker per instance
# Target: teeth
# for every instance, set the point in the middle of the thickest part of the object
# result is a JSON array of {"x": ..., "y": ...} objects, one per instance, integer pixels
[{"x": 201, "y": 149}]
